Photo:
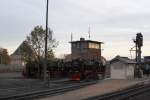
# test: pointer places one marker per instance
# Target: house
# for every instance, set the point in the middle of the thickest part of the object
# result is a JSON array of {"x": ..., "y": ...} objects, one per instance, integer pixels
[
  {"x": 147, "y": 65},
  {"x": 86, "y": 49},
  {"x": 17, "y": 58},
  {"x": 122, "y": 68}
]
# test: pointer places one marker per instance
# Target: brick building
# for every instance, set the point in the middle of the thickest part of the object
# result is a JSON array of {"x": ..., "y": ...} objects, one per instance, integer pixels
[{"x": 86, "y": 49}]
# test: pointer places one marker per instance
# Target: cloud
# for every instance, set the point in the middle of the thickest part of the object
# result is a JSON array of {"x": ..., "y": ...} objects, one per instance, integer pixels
[{"x": 114, "y": 22}]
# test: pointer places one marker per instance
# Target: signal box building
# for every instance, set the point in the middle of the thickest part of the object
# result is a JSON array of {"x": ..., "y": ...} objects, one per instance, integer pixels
[{"x": 86, "y": 49}]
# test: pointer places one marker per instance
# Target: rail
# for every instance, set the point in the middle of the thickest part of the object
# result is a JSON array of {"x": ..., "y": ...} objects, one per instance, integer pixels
[
  {"x": 48, "y": 92},
  {"x": 124, "y": 94}
]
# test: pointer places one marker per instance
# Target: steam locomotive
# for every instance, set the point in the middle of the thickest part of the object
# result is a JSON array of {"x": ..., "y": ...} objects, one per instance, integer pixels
[{"x": 75, "y": 70}]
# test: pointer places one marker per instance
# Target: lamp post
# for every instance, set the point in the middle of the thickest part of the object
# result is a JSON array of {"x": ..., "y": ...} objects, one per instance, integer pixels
[
  {"x": 46, "y": 36},
  {"x": 0, "y": 59}
]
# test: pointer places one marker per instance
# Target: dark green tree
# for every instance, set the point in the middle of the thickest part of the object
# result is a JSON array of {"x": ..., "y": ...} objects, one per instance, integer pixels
[
  {"x": 27, "y": 52},
  {"x": 35, "y": 55},
  {"x": 36, "y": 40}
]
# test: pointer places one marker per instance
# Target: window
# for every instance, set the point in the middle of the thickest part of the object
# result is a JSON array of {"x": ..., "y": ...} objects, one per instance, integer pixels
[
  {"x": 94, "y": 45},
  {"x": 78, "y": 45},
  {"x": 73, "y": 45},
  {"x": 83, "y": 45}
]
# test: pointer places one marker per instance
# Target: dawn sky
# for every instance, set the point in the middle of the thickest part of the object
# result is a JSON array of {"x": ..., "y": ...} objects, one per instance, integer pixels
[{"x": 114, "y": 22}]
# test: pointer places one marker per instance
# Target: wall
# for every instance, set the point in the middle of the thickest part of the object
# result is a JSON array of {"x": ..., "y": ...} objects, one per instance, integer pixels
[
  {"x": 118, "y": 70},
  {"x": 122, "y": 71},
  {"x": 83, "y": 51},
  {"x": 130, "y": 71},
  {"x": 16, "y": 60},
  {"x": 10, "y": 68}
]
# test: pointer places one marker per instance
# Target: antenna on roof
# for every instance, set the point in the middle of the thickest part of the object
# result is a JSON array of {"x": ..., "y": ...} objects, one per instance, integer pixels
[
  {"x": 71, "y": 36},
  {"x": 89, "y": 32}
]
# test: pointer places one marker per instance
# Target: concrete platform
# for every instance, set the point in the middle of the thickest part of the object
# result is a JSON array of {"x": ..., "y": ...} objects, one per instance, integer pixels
[{"x": 100, "y": 88}]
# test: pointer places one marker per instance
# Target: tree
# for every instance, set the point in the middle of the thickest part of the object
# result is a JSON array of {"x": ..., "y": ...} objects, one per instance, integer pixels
[
  {"x": 36, "y": 40},
  {"x": 4, "y": 57},
  {"x": 27, "y": 52}
]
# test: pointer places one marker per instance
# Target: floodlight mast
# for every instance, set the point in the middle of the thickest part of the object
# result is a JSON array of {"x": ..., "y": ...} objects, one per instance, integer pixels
[{"x": 46, "y": 36}]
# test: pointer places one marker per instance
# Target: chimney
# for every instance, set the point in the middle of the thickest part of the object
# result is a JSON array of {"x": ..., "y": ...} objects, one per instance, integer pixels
[{"x": 82, "y": 39}]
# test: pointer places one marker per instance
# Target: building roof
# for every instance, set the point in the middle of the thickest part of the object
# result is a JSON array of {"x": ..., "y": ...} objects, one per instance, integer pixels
[
  {"x": 83, "y": 40},
  {"x": 125, "y": 60},
  {"x": 24, "y": 44}
]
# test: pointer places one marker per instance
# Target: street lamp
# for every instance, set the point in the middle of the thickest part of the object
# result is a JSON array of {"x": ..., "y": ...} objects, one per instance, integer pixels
[{"x": 46, "y": 36}]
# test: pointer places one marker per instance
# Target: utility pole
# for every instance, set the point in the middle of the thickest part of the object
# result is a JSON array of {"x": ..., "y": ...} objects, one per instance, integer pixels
[
  {"x": 89, "y": 32},
  {"x": 46, "y": 36}
]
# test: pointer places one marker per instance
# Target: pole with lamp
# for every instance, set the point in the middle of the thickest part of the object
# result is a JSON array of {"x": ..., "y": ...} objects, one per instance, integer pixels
[{"x": 46, "y": 36}]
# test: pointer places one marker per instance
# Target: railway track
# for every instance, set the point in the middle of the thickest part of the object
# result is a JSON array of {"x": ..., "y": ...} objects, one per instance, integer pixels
[
  {"x": 124, "y": 94},
  {"x": 49, "y": 92}
]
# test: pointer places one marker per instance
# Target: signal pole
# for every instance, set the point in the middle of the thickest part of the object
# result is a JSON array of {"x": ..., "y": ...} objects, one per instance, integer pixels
[
  {"x": 138, "y": 44},
  {"x": 46, "y": 36}
]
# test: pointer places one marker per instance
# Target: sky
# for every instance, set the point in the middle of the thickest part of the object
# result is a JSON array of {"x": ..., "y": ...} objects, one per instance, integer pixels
[{"x": 114, "y": 22}]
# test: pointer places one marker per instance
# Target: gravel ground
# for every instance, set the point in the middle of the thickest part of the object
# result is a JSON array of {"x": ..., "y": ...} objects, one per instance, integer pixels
[
  {"x": 11, "y": 75},
  {"x": 15, "y": 83},
  {"x": 100, "y": 88}
]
